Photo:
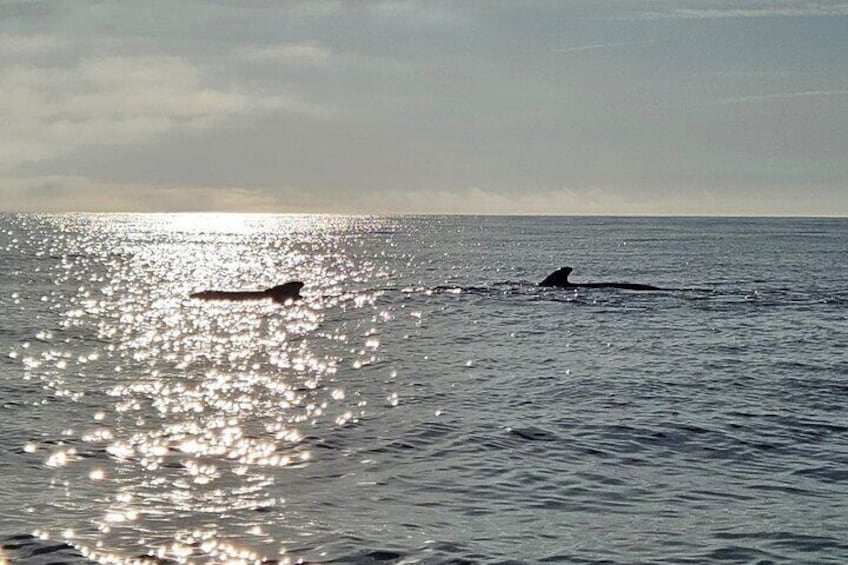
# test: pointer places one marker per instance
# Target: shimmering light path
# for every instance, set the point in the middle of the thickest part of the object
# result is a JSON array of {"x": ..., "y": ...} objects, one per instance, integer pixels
[{"x": 185, "y": 411}]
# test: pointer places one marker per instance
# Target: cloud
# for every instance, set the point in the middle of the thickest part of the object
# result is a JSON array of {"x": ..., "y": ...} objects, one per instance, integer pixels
[
  {"x": 761, "y": 98},
  {"x": 780, "y": 96},
  {"x": 106, "y": 101},
  {"x": 594, "y": 46},
  {"x": 711, "y": 9},
  {"x": 78, "y": 194},
  {"x": 26, "y": 45},
  {"x": 410, "y": 12},
  {"x": 301, "y": 54},
  {"x": 394, "y": 106}
]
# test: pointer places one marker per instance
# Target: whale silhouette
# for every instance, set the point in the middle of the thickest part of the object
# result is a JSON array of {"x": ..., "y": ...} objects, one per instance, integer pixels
[
  {"x": 280, "y": 294},
  {"x": 559, "y": 279}
]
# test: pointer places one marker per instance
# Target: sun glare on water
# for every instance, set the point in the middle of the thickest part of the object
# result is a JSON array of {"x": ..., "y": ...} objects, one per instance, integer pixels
[
  {"x": 235, "y": 223},
  {"x": 202, "y": 409}
]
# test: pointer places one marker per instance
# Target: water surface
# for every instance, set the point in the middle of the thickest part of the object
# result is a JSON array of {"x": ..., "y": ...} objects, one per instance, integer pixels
[{"x": 425, "y": 402}]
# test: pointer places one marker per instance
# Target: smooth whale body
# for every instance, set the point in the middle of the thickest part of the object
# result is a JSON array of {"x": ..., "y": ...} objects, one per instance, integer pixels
[
  {"x": 559, "y": 279},
  {"x": 280, "y": 294}
]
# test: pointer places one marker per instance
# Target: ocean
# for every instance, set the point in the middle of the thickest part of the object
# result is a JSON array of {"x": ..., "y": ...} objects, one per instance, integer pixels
[{"x": 425, "y": 402}]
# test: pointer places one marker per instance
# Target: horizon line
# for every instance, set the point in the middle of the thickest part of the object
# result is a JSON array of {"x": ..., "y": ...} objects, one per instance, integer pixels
[{"x": 418, "y": 214}]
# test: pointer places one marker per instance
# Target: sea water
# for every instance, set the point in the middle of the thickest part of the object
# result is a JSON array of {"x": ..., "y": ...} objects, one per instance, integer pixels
[{"x": 424, "y": 402}]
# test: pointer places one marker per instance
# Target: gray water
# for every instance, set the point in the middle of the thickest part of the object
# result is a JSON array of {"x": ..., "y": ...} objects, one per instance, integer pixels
[{"x": 425, "y": 402}]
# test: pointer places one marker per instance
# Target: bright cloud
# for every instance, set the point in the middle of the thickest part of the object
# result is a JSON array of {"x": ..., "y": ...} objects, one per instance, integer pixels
[
  {"x": 306, "y": 54},
  {"x": 27, "y": 45},
  {"x": 107, "y": 101},
  {"x": 58, "y": 194}
]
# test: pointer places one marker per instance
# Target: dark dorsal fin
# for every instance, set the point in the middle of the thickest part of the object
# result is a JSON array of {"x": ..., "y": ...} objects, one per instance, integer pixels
[{"x": 558, "y": 278}]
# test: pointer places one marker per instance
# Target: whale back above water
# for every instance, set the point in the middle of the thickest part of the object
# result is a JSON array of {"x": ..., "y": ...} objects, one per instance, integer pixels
[
  {"x": 281, "y": 294},
  {"x": 559, "y": 279}
]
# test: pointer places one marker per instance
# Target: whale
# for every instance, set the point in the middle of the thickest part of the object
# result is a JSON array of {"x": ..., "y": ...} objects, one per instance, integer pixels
[
  {"x": 280, "y": 294},
  {"x": 559, "y": 279}
]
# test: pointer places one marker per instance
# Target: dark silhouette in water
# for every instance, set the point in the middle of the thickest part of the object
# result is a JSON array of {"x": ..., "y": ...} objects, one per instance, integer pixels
[
  {"x": 559, "y": 278},
  {"x": 281, "y": 294}
]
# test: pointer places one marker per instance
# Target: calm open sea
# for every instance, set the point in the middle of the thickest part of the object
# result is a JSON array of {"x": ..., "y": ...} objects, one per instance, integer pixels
[{"x": 425, "y": 402}]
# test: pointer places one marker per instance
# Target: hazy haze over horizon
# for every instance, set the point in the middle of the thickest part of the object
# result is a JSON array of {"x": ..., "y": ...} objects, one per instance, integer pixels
[{"x": 691, "y": 107}]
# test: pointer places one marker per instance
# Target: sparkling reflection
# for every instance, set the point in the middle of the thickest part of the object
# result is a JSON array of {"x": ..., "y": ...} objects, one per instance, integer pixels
[{"x": 199, "y": 409}]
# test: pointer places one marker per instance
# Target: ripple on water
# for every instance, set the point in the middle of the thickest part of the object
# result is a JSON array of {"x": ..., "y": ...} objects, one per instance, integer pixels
[
  {"x": 39, "y": 550},
  {"x": 425, "y": 402}
]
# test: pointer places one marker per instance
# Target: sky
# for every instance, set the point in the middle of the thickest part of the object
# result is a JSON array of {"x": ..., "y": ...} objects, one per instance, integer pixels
[{"x": 645, "y": 107}]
